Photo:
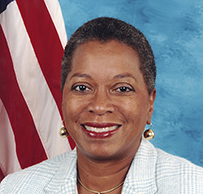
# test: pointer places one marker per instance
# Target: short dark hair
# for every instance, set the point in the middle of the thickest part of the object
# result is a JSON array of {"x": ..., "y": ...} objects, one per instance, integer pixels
[{"x": 105, "y": 29}]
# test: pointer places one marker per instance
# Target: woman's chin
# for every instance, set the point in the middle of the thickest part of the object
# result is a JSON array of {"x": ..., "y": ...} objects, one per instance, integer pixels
[{"x": 101, "y": 152}]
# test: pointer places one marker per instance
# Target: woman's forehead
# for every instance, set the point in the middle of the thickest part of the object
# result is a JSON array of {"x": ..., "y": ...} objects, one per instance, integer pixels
[
  {"x": 105, "y": 61},
  {"x": 106, "y": 54}
]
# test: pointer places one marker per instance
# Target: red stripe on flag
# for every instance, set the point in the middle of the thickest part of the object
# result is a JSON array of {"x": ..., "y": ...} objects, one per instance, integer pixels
[
  {"x": 45, "y": 41},
  {"x": 29, "y": 148},
  {"x": 47, "y": 46},
  {"x": 1, "y": 175}
]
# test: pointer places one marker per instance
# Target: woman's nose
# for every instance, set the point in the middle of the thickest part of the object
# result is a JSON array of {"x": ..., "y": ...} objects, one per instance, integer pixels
[{"x": 101, "y": 103}]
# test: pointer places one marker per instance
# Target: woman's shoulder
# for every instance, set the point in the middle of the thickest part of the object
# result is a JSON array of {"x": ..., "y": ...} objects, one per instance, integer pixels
[
  {"x": 37, "y": 176},
  {"x": 165, "y": 159},
  {"x": 48, "y": 166},
  {"x": 174, "y": 172}
]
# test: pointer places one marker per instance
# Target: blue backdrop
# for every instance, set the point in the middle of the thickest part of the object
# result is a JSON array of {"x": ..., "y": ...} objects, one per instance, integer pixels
[{"x": 175, "y": 31}]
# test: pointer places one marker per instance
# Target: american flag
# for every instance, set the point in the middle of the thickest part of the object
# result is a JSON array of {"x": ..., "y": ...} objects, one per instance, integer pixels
[{"x": 32, "y": 39}]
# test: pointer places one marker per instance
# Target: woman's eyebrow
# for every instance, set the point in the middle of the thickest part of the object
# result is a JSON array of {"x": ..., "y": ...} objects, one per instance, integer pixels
[
  {"x": 124, "y": 75},
  {"x": 119, "y": 76},
  {"x": 81, "y": 75}
]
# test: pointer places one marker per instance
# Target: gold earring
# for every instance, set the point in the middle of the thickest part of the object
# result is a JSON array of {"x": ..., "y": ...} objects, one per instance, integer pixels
[
  {"x": 63, "y": 132},
  {"x": 149, "y": 134}
]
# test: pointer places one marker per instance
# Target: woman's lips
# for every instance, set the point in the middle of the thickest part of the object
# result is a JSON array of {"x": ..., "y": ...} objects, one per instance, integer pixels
[{"x": 100, "y": 130}]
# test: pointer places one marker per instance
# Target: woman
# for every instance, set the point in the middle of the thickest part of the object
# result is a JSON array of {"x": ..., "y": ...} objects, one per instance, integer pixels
[{"x": 108, "y": 80}]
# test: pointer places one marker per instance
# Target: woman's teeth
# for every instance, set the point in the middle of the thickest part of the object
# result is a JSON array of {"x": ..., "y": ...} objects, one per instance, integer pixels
[{"x": 100, "y": 130}]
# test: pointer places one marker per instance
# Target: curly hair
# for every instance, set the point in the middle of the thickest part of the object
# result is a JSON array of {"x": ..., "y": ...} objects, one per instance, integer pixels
[{"x": 105, "y": 29}]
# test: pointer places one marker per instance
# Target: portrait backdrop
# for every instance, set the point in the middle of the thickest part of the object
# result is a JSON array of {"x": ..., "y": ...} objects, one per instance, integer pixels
[
  {"x": 33, "y": 35},
  {"x": 175, "y": 31}
]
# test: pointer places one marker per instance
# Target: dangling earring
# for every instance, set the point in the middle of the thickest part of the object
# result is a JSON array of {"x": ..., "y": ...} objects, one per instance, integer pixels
[
  {"x": 149, "y": 134},
  {"x": 63, "y": 132}
]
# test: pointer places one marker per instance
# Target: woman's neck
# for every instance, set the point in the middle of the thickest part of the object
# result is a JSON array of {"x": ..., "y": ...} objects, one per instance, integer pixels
[{"x": 101, "y": 175}]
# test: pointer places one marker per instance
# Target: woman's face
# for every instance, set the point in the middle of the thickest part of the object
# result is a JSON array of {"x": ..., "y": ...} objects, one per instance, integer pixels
[{"x": 105, "y": 100}]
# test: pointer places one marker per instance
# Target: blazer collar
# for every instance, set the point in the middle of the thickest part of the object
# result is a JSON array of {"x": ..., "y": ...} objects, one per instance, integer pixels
[
  {"x": 141, "y": 175},
  {"x": 64, "y": 179}
]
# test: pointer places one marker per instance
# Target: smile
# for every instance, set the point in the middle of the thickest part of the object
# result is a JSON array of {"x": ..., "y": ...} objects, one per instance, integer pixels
[
  {"x": 100, "y": 130},
  {"x": 96, "y": 130}
]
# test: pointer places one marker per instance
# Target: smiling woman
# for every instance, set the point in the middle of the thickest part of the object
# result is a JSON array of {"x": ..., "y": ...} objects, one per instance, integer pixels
[
  {"x": 108, "y": 86},
  {"x": 105, "y": 90}
]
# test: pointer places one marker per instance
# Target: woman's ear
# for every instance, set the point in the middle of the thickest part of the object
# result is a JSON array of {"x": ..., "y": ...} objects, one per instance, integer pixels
[{"x": 151, "y": 105}]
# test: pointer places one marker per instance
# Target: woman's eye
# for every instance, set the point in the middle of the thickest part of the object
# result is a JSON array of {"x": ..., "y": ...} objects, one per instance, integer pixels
[
  {"x": 81, "y": 88},
  {"x": 124, "y": 89}
]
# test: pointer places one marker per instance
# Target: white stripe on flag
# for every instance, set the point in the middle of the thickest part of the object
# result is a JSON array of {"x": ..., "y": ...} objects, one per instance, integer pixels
[
  {"x": 57, "y": 18},
  {"x": 9, "y": 160},
  {"x": 32, "y": 83}
]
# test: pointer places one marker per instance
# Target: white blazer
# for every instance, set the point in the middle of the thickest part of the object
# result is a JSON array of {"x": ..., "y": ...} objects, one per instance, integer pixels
[{"x": 152, "y": 171}]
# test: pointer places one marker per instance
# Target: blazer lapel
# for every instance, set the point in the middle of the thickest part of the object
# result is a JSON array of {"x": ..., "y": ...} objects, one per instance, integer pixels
[
  {"x": 141, "y": 175},
  {"x": 64, "y": 179}
]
